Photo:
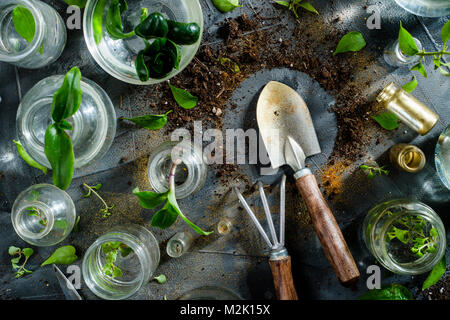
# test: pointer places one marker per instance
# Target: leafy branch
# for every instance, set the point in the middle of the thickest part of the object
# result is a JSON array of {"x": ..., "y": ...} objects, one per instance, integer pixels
[
  {"x": 111, "y": 250},
  {"x": 293, "y": 5},
  {"x": 93, "y": 190},
  {"x": 17, "y": 253},
  {"x": 372, "y": 172}
]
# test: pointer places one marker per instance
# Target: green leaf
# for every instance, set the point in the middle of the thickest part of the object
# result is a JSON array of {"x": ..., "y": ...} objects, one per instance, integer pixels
[
  {"x": 114, "y": 20},
  {"x": 435, "y": 274},
  {"x": 445, "y": 32},
  {"x": 75, "y": 226},
  {"x": 391, "y": 292},
  {"x": 15, "y": 261},
  {"x": 402, "y": 235},
  {"x": 24, "y": 23},
  {"x": 183, "y": 98},
  {"x": 165, "y": 217},
  {"x": 410, "y": 86},
  {"x": 419, "y": 67},
  {"x": 117, "y": 273},
  {"x": 125, "y": 250},
  {"x": 154, "y": 26},
  {"x": 13, "y": 250},
  {"x": 141, "y": 67},
  {"x": 229, "y": 64},
  {"x": 59, "y": 152},
  {"x": 67, "y": 99},
  {"x": 308, "y": 6},
  {"x": 79, "y": 3},
  {"x": 61, "y": 224},
  {"x": 283, "y": 3},
  {"x": 27, "y": 252},
  {"x": 161, "y": 279},
  {"x": 28, "y": 159},
  {"x": 444, "y": 72},
  {"x": 387, "y": 120},
  {"x": 62, "y": 255},
  {"x": 352, "y": 41},
  {"x": 406, "y": 42},
  {"x": 149, "y": 199},
  {"x": 183, "y": 33},
  {"x": 150, "y": 122},
  {"x": 226, "y": 5},
  {"x": 97, "y": 20}
]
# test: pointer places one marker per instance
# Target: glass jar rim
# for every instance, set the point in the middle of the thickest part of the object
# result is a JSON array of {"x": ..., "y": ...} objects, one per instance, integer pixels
[{"x": 39, "y": 22}]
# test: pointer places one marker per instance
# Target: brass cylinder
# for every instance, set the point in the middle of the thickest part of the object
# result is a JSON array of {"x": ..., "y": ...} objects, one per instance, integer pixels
[
  {"x": 407, "y": 157},
  {"x": 407, "y": 108}
]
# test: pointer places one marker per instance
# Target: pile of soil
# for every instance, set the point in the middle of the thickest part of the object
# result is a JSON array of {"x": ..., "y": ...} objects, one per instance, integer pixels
[{"x": 439, "y": 291}]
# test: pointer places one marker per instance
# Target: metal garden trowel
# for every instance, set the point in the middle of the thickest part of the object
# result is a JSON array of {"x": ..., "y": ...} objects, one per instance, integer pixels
[{"x": 289, "y": 137}]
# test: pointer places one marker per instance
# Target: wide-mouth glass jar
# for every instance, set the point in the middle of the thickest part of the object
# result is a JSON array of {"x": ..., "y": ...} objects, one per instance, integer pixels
[
  {"x": 394, "y": 56},
  {"x": 117, "y": 57},
  {"x": 43, "y": 215},
  {"x": 190, "y": 174},
  {"x": 426, "y": 8},
  {"x": 442, "y": 157},
  {"x": 137, "y": 258},
  {"x": 94, "y": 124},
  {"x": 405, "y": 236},
  {"x": 47, "y": 43}
]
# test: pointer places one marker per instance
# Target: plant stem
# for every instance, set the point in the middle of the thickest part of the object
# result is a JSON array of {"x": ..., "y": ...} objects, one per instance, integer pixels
[
  {"x": 423, "y": 53},
  {"x": 175, "y": 163}
]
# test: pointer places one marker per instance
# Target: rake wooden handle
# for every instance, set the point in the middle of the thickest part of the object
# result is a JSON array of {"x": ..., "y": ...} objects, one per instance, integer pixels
[
  {"x": 282, "y": 278},
  {"x": 327, "y": 229}
]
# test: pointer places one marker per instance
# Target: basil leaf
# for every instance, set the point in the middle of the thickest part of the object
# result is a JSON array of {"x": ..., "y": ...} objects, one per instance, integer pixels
[
  {"x": 154, "y": 26},
  {"x": 283, "y": 3},
  {"x": 226, "y": 5},
  {"x": 79, "y": 3},
  {"x": 159, "y": 59},
  {"x": 24, "y": 24},
  {"x": 183, "y": 33},
  {"x": 27, "y": 252},
  {"x": 444, "y": 72},
  {"x": 406, "y": 42},
  {"x": 62, "y": 255},
  {"x": 308, "y": 6},
  {"x": 59, "y": 152},
  {"x": 114, "y": 20},
  {"x": 141, "y": 67},
  {"x": 175, "y": 51},
  {"x": 352, "y": 41},
  {"x": 161, "y": 279},
  {"x": 445, "y": 32},
  {"x": 97, "y": 20},
  {"x": 390, "y": 292},
  {"x": 149, "y": 199},
  {"x": 435, "y": 274},
  {"x": 387, "y": 120},
  {"x": 67, "y": 99},
  {"x": 410, "y": 86},
  {"x": 151, "y": 121},
  {"x": 164, "y": 217},
  {"x": 183, "y": 98},
  {"x": 13, "y": 250},
  {"x": 419, "y": 67},
  {"x": 28, "y": 159}
]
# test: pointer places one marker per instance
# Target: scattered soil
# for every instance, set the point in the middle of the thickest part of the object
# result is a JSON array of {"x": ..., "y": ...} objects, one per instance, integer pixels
[{"x": 439, "y": 291}]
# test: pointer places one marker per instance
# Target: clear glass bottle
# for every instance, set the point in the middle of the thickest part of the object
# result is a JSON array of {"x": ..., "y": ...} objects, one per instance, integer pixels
[
  {"x": 407, "y": 157},
  {"x": 190, "y": 175},
  {"x": 395, "y": 57},
  {"x": 395, "y": 230},
  {"x": 117, "y": 57},
  {"x": 49, "y": 37},
  {"x": 426, "y": 8},
  {"x": 43, "y": 215},
  {"x": 137, "y": 266},
  {"x": 442, "y": 157},
  {"x": 179, "y": 244},
  {"x": 407, "y": 108},
  {"x": 94, "y": 124}
]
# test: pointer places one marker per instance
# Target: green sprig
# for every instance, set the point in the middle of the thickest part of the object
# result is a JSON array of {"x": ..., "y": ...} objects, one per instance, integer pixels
[
  {"x": 372, "y": 172},
  {"x": 17, "y": 253},
  {"x": 105, "y": 211}
]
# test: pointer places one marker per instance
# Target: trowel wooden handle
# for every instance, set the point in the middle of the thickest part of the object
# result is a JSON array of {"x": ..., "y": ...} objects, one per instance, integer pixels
[
  {"x": 282, "y": 278},
  {"x": 327, "y": 229}
]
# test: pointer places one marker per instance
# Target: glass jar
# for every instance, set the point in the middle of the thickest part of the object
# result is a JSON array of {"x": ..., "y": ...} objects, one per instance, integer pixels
[
  {"x": 405, "y": 236},
  {"x": 179, "y": 244},
  {"x": 43, "y": 215},
  {"x": 117, "y": 57},
  {"x": 442, "y": 157},
  {"x": 426, "y": 8},
  {"x": 137, "y": 266},
  {"x": 48, "y": 41},
  {"x": 190, "y": 175},
  {"x": 394, "y": 56},
  {"x": 94, "y": 124}
]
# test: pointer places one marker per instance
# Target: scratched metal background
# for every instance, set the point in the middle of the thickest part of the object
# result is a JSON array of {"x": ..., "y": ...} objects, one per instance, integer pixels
[{"x": 236, "y": 261}]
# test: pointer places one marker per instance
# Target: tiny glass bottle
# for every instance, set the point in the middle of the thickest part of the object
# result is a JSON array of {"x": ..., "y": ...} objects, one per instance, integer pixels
[
  {"x": 179, "y": 244},
  {"x": 43, "y": 215},
  {"x": 394, "y": 56},
  {"x": 407, "y": 108},
  {"x": 224, "y": 226},
  {"x": 190, "y": 175},
  {"x": 407, "y": 157},
  {"x": 49, "y": 35}
]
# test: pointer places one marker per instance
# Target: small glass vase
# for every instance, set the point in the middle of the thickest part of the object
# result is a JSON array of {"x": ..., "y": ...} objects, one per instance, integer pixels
[
  {"x": 48, "y": 41},
  {"x": 179, "y": 244},
  {"x": 442, "y": 157},
  {"x": 385, "y": 236},
  {"x": 395, "y": 57},
  {"x": 43, "y": 215},
  {"x": 190, "y": 175},
  {"x": 137, "y": 267},
  {"x": 94, "y": 124},
  {"x": 117, "y": 57}
]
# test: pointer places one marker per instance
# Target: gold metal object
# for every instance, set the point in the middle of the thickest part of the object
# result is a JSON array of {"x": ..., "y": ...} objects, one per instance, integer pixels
[
  {"x": 407, "y": 108},
  {"x": 407, "y": 157}
]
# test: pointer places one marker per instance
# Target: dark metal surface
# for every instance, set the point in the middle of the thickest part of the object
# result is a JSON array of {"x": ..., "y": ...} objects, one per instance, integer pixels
[{"x": 235, "y": 261}]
